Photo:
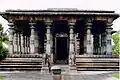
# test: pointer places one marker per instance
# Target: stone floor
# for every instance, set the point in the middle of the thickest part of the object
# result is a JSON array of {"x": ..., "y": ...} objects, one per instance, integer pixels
[{"x": 84, "y": 75}]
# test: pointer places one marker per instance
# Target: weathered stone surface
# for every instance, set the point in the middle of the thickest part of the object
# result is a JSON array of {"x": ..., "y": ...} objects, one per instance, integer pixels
[{"x": 38, "y": 76}]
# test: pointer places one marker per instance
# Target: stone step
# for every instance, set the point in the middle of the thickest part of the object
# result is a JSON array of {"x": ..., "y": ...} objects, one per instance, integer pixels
[
  {"x": 20, "y": 69},
  {"x": 96, "y": 69},
  {"x": 90, "y": 63},
  {"x": 96, "y": 60},
  {"x": 21, "y": 64},
  {"x": 22, "y": 60},
  {"x": 97, "y": 64}
]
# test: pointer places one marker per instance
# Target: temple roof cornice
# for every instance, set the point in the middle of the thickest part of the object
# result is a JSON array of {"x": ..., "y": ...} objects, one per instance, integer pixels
[{"x": 60, "y": 12}]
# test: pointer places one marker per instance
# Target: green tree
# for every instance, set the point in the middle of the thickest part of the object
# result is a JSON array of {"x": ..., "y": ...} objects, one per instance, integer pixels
[
  {"x": 116, "y": 40},
  {"x": 3, "y": 39}
]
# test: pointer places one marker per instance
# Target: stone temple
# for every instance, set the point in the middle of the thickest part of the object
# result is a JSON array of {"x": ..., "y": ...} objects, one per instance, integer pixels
[{"x": 78, "y": 39}]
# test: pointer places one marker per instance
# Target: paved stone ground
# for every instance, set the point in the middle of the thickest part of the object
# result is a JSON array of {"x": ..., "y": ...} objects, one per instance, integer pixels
[{"x": 85, "y": 75}]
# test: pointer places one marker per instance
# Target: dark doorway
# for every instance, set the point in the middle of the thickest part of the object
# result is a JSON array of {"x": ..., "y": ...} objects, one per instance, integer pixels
[{"x": 61, "y": 53}]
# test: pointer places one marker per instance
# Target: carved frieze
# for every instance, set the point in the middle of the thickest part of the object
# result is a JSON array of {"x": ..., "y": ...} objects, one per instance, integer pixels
[
  {"x": 25, "y": 17},
  {"x": 105, "y": 18}
]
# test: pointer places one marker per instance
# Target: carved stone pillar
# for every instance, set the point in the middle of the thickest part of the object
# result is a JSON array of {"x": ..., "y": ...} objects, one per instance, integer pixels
[
  {"x": 71, "y": 43},
  {"x": 99, "y": 49},
  {"x": 48, "y": 50},
  {"x": 11, "y": 37},
  {"x": 22, "y": 43},
  {"x": 96, "y": 43},
  {"x": 77, "y": 44},
  {"x": 32, "y": 38},
  {"x": 88, "y": 35},
  {"x": 15, "y": 42},
  {"x": 48, "y": 41},
  {"x": 25, "y": 41},
  {"x": 102, "y": 46},
  {"x": 28, "y": 44},
  {"x": 103, "y": 43},
  {"x": 36, "y": 42},
  {"x": 108, "y": 38},
  {"x": 92, "y": 46},
  {"x": 19, "y": 43},
  {"x": 85, "y": 42}
]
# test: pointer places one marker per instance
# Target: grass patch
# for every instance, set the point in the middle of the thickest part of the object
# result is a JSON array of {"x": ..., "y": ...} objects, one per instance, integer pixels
[
  {"x": 116, "y": 75},
  {"x": 1, "y": 78}
]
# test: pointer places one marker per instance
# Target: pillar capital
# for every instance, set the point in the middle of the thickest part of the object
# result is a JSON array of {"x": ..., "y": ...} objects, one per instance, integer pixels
[
  {"x": 88, "y": 25},
  {"x": 109, "y": 28},
  {"x": 48, "y": 27},
  {"x": 11, "y": 24},
  {"x": 108, "y": 25},
  {"x": 32, "y": 24},
  {"x": 48, "y": 22},
  {"x": 71, "y": 22}
]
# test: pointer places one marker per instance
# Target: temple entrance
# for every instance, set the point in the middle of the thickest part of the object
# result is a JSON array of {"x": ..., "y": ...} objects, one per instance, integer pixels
[{"x": 61, "y": 49}]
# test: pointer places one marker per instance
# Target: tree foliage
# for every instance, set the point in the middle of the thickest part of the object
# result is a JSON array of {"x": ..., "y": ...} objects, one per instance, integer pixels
[
  {"x": 116, "y": 40},
  {"x": 3, "y": 52},
  {"x": 3, "y": 38}
]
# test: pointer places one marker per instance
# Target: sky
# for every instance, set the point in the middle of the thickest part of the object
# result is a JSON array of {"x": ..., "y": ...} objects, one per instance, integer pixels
[{"x": 113, "y": 5}]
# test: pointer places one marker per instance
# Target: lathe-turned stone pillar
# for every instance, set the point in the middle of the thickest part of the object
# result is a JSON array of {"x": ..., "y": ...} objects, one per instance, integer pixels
[
  {"x": 48, "y": 38},
  {"x": 89, "y": 43},
  {"x": 11, "y": 30},
  {"x": 71, "y": 43},
  {"x": 103, "y": 43},
  {"x": 15, "y": 42},
  {"x": 48, "y": 54},
  {"x": 36, "y": 42},
  {"x": 108, "y": 38},
  {"x": 22, "y": 43},
  {"x": 32, "y": 38},
  {"x": 19, "y": 43}
]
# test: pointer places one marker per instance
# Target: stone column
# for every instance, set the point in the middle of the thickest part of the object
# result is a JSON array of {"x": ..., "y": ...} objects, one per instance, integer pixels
[
  {"x": 36, "y": 42},
  {"x": 103, "y": 43},
  {"x": 88, "y": 44},
  {"x": 15, "y": 42},
  {"x": 92, "y": 38},
  {"x": 108, "y": 38},
  {"x": 11, "y": 37},
  {"x": 28, "y": 44},
  {"x": 25, "y": 43},
  {"x": 71, "y": 43},
  {"x": 48, "y": 46},
  {"x": 85, "y": 42},
  {"x": 32, "y": 38},
  {"x": 77, "y": 44},
  {"x": 48, "y": 41},
  {"x": 19, "y": 43},
  {"x": 96, "y": 41},
  {"x": 99, "y": 49},
  {"x": 22, "y": 43}
]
